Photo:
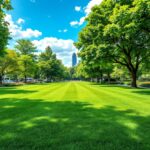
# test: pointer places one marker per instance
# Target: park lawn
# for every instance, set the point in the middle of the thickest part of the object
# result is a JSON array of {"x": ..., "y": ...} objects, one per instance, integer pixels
[{"x": 74, "y": 116}]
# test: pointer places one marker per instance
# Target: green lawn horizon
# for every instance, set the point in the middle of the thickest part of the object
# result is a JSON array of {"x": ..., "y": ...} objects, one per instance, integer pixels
[{"x": 74, "y": 116}]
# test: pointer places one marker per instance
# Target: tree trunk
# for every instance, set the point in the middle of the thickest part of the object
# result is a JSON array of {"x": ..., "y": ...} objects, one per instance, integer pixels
[
  {"x": 25, "y": 79},
  {"x": 1, "y": 79},
  {"x": 134, "y": 77},
  {"x": 97, "y": 79},
  {"x": 108, "y": 76},
  {"x": 101, "y": 77}
]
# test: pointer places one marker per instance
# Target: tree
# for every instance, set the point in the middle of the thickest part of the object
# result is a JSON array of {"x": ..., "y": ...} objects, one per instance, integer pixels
[
  {"x": 50, "y": 67},
  {"x": 4, "y": 31},
  {"x": 93, "y": 64},
  {"x": 130, "y": 40},
  {"x": 8, "y": 63},
  {"x": 27, "y": 62},
  {"x": 25, "y": 47},
  {"x": 120, "y": 32},
  {"x": 27, "y": 66}
]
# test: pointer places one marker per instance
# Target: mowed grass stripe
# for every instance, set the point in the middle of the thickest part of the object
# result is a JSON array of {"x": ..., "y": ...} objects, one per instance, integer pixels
[
  {"x": 74, "y": 115},
  {"x": 57, "y": 94},
  {"x": 125, "y": 91},
  {"x": 111, "y": 97},
  {"x": 48, "y": 91},
  {"x": 71, "y": 92},
  {"x": 87, "y": 95},
  {"x": 40, "y": 92}
]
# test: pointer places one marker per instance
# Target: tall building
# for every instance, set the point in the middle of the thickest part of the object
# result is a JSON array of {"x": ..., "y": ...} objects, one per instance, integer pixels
[{"x": 74, "y": 59}]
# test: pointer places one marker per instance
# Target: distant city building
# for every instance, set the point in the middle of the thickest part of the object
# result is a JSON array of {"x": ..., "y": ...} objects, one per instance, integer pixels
[{"x": 74, "y": 59}]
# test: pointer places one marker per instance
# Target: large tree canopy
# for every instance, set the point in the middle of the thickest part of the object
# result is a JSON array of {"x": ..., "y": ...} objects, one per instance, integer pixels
[
  {"x": 119, "y": 31},
  {"x": 4, "y": 31}
]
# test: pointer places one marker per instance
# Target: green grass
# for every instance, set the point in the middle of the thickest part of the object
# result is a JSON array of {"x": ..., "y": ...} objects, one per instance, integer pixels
[{"x": 74, "y": 116}]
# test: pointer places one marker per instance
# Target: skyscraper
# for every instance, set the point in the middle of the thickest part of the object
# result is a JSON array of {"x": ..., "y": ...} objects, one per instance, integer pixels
[{"x": 74, "y": 59}]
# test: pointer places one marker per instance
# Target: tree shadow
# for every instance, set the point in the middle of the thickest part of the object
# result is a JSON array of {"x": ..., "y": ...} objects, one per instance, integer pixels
[
  {"x": 142, "y": 92},
  {"x": 13, "y": 90},
  {"x": 37, "y": 124},
  {"x": 112, "y": 85},
  {"x": 139, "y": 90}
]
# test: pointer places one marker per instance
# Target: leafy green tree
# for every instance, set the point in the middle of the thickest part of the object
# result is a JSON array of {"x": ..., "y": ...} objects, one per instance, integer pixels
[
  {"x": 66, "y": 73},
  {"x": 120, "y": 73},
  {"x": 27, "y": 66},
  {"x": 50, "y": 67},
  {"x": 8, "y": 64},
  {"x": 93, "y": 64},
  {"x": 4, "y": 31},
  {"x": 119, "y": 31},
  {"x": 80, "y": 71},
  {"x": 27, "y": 61},
  {"x": 128, "y": 33},
  {"x": 25, "y": 47}
]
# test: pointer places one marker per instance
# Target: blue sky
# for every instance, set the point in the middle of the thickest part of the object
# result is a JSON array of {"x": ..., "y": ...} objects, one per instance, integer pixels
[{"x": 54, "y": 23}]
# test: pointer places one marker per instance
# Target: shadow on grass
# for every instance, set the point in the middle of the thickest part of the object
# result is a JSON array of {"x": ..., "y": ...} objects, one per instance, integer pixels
[
  {"x": 139, "y": 90},
  {"x": 36, "y": 124},
  {"x": 13, "y": 90},
  {"x": 112, "y": 85},
  {"x": 142, "y": 92}
]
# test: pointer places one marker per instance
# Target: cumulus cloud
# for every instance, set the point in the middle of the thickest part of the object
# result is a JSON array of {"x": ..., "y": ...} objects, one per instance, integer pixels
[
  {"x": 77, "y": 8},
  {"x": 87, "y": 10},
  {"x": 20, "y": 21},
  {"x": 80, "y": 22},
  {"x": 91, "y": 4},
  {"x": 62, "y": 48},
  {"x": 18, "y": 32}
]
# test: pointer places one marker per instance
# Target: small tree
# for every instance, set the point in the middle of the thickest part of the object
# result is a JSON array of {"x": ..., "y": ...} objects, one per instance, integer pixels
[
  {"x": 50, "y": 66},
  {"x": 27, "y": 66},
  {"x": 8, "y": 63}
]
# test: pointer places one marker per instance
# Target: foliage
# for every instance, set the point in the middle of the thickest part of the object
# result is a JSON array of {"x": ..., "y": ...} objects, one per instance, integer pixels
[
  {"x": 8, "y": 64},
  {"x": 117, "y": 32},
  {"x": 4, "y": 31},
  {"x": 26, "y": 60},
  {"x": 25, "y": 47},
  {"x": 27, "y": 66},
  {"x": 50, "y": 67}
]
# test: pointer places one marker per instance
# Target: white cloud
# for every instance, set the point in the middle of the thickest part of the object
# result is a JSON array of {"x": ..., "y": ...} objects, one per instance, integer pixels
[
  {"x": 20, "y": 21},
  {"x": 91, "y": 4},
  {"x": 77, "y": 8},
  {"x": 65, "y": 30},
  {"x": 80, "y": 22},
  {"x": 62, "y": 48},
  {"x": 73, "y": 23},
  {"x": 18, "y": 32},
  {"x": 87, "y": 10}
]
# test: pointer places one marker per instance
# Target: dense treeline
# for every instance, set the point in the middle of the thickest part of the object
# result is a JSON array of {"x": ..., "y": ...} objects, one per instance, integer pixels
[
  {"x": 115, "y": 43},
  {"x": 117, "y": 35},
  {"x": 23, "y": 64}
]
